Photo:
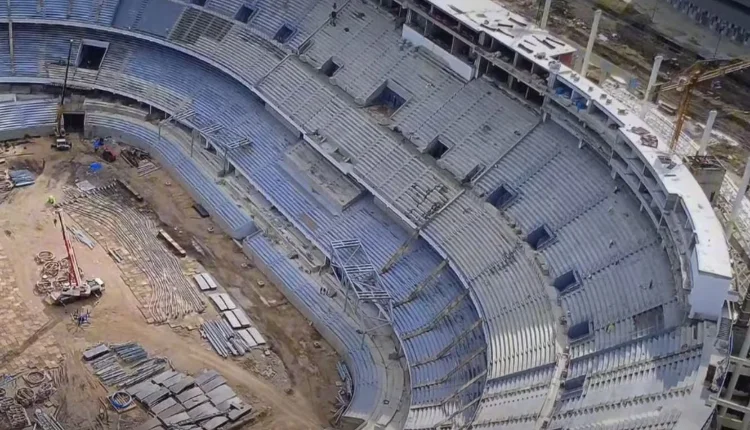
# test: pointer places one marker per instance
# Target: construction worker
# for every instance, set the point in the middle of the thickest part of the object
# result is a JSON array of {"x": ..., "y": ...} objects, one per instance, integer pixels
[{"x": 333, "y": 16}]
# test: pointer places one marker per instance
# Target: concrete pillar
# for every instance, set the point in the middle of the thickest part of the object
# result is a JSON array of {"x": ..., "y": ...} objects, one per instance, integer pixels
[
  {"x": 590, "y": 45},
  {"x": 545, "y": 13},
  {"x": 651, "y": 82},
  {"x": 707, "y": 133},
  {"x": 738, "y": 199},
  {"x": 736, "y": 375}
]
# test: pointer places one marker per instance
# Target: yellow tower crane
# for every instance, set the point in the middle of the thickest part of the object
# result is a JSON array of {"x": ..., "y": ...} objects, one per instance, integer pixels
[{"x": 687, "y": 81}]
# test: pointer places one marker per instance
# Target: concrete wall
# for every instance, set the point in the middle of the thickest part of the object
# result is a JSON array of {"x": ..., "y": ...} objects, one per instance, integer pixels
[
  {"x": 708, "y": 292},
  {"x": 462, "y": 69}
]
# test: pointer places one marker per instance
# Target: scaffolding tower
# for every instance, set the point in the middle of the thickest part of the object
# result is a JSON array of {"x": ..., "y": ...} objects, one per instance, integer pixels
[{"x": 360, "y": 278}]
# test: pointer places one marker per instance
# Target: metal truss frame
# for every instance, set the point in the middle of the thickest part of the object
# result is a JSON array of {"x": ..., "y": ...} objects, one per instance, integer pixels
[{"x": 360, "y": 278}]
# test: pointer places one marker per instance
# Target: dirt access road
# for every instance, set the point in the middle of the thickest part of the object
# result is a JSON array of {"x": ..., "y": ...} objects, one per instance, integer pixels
[{"x": 293, "y": 387}]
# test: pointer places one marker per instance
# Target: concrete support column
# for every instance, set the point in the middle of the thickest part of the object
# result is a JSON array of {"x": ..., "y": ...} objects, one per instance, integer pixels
[
  {"x": 10, "y": 41},
  {"x": 707, "y": 133},
  {"x": 737, "y": 202},
  {"x": 651, "y": 82},
  {"x": 590, "y": 45},
  {"x": 545, "y": 13},
  {"x": 736, "y": 375}
]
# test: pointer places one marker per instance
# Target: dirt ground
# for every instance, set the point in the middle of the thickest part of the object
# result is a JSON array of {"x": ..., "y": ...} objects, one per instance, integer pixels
[{"x": 292, "y": 387}]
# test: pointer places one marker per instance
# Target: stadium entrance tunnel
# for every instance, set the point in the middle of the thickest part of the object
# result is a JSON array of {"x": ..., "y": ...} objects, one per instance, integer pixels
[
  {"x": 329, "y": 67},
  {"x": 284, "y": 34},
  {"x": 436, "y": 149},
  {"x": 74, "y": 121},
  {"x": 540, "y": 237},
  {"x": 502, "y": 196},
  {"x": 579, "y": 331},
  {"x": 244, "y": 14},
  {"x": 567, "y": 282},
  {"x": 389, "y": 96},
  {"x": 91, "y": 54}
]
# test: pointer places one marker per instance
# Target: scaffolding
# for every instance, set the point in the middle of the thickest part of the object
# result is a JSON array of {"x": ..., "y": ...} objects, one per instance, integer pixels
[
  {"x": 361, "y": 281},
  {"x": 213, "y": 134}
]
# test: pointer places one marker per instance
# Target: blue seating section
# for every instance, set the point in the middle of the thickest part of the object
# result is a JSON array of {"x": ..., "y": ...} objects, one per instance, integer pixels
[
  {"x": 597, "y": 229},
  {"x": 33, "y": 117},
  {"x": 235, "y": 222},
  {"x": 150, "y": 72},
  {"x": 304, "y": 292}
]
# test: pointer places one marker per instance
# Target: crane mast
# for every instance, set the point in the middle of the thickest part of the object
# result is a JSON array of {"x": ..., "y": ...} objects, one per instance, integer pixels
[{"x": 74, "y": 275}]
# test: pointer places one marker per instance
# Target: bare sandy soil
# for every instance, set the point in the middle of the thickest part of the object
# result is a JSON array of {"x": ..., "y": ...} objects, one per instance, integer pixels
[{"x": 292, "y": 387}]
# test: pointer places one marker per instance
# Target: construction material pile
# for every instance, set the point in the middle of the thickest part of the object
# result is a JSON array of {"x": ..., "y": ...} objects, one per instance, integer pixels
[
  {"x": 174, "y": 399},
  {"x": 123, "y": 365},
  {"x": 45, "y": 421},
  {"x": 235, "y": 334},
  {"x": 22, "y": 178},
  {"x": 17, "y": 393}
]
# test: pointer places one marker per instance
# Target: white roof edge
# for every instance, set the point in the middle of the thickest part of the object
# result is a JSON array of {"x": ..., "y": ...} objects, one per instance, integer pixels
[
  {"x": 506, "y": 26},
  {"x": 711, "y": 246}
]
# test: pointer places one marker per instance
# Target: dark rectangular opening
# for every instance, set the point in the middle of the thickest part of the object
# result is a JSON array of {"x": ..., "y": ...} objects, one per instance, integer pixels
[
  {"x": 540, "y": 237},
  {"x": 497, "y": 74},
  {"x": 329, "y": 68},
  {"x": 534, "y": 97},
  {"x": 284, "y": 34},
  {"x": 598, "y": 113},
  {"x": 519, "y": 87},
  {"x": 201, "y": 210},
  {"x": 390, "y": 99},
  {"x": 567, "y": 281},
  {"x": 444, "y": 18},
  {"x": 461, "y": 50},
  {"x": 472, "y": 174},
  {"x": 573, "y": 384},
  {"x": 198, "y": 2},
  {"x": 579, "y": 331},
  {"x": 572, "y": 387},
  {"x": 418, "y": 23},
  {"x": 441, "y": 37},
  {"x": 562, "y": 90},
  {"x": 74, "y": 122},
  {"x": 502, "y": 196},
  {"x": 506, "y": 53},
  {"x": 650, "y": 321},
  {"x": 422, "y": 4},
  {"x": 523, "y": 63},
  {"x": 91, "y": 56},
  {"x": 244, "y": 14},
  {"x": 437, "y": 149}
]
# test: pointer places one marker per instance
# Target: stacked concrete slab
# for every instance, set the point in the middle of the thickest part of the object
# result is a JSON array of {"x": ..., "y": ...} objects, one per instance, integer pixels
[{"x": 200, "y": 402}]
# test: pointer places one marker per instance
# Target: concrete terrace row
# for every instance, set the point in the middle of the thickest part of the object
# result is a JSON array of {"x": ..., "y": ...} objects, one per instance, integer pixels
[
  {"x": 518, "y": 315},
  {"x": 131, "y": 71}
]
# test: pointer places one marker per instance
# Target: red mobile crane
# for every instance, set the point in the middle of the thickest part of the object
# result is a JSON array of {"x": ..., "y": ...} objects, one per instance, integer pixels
[
  {"x": 74, "y": 274},
  {"x": 77, "y": 288}
]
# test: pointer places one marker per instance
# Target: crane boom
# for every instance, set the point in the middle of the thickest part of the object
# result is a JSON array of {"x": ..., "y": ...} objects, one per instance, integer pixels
[
  {"x": 713, "y": 74},
  {"x": 74, "y": 275},
  {"x": 687, "y": 83}
]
